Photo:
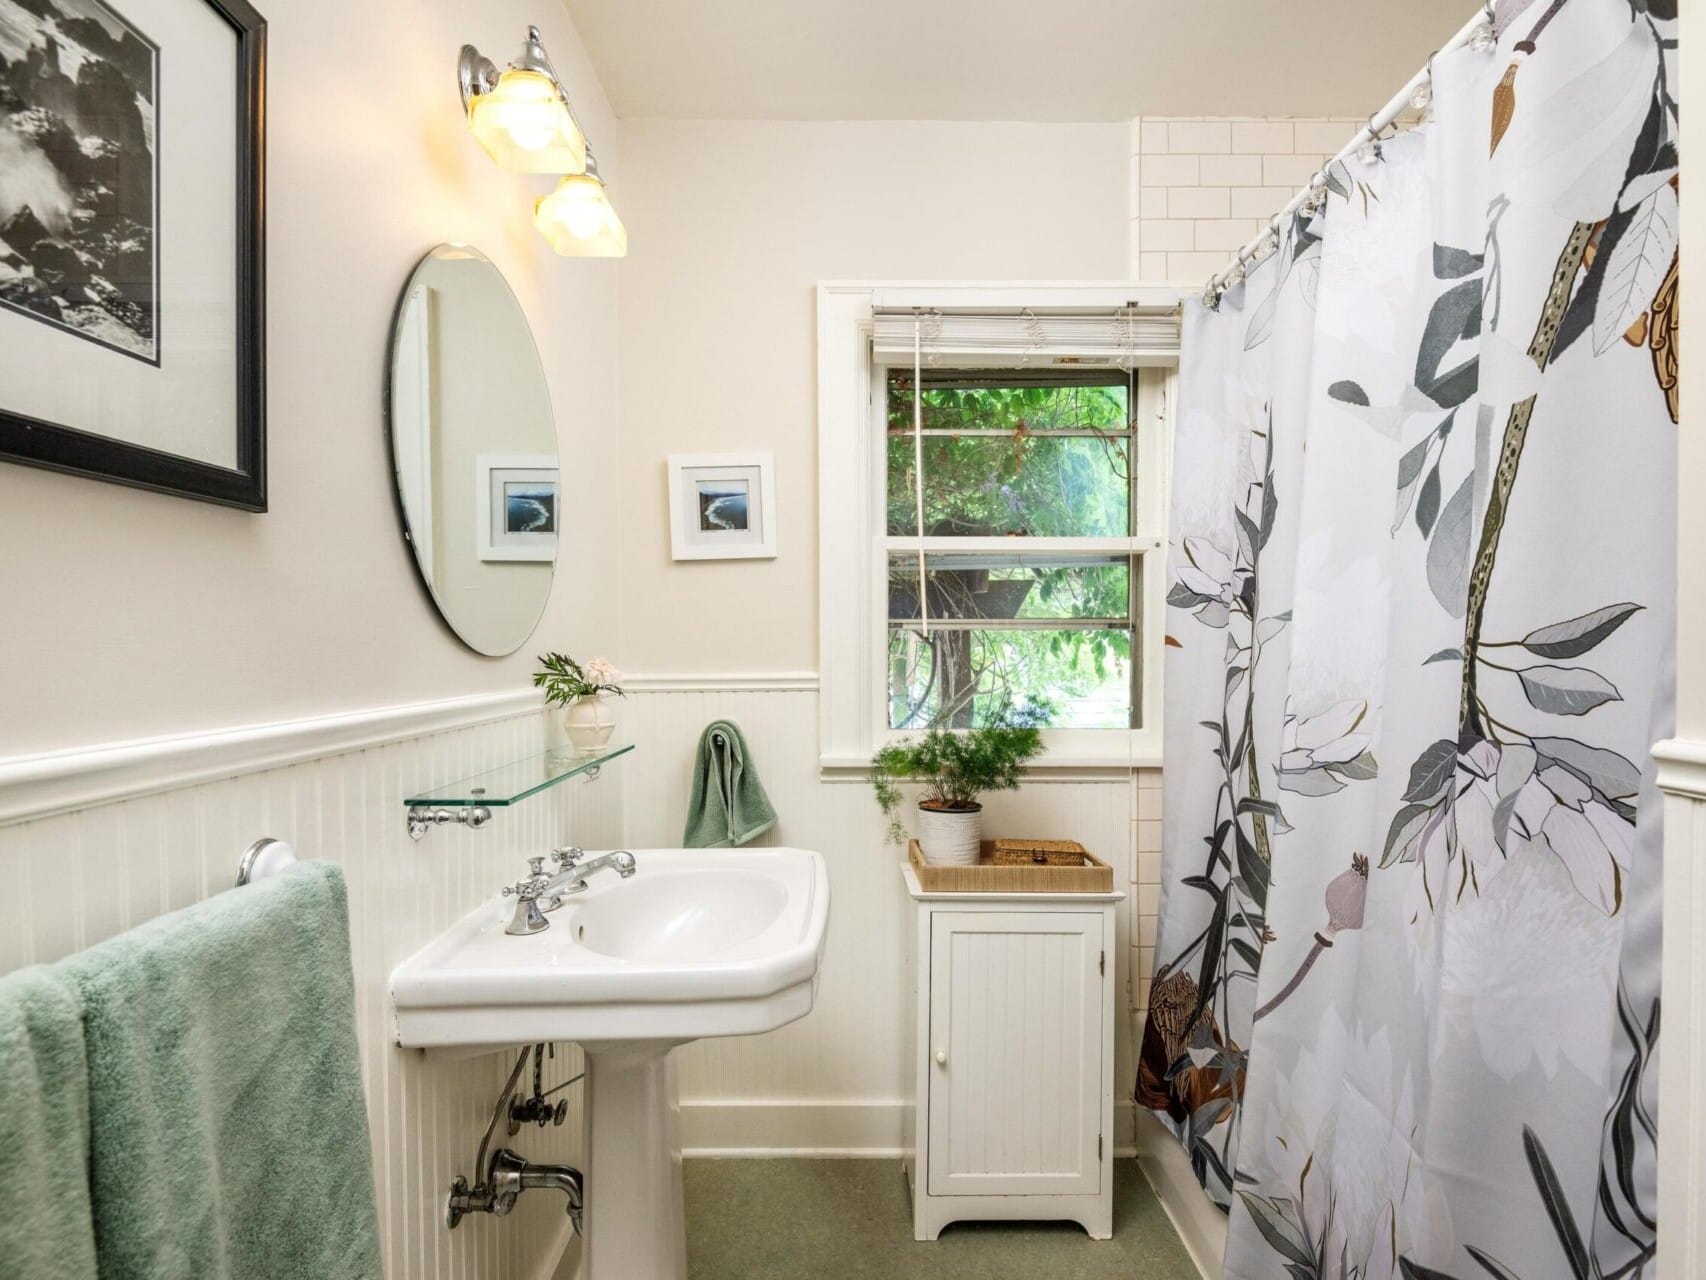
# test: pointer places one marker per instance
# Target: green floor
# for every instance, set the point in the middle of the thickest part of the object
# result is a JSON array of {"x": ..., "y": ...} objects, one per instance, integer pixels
[{"x": 852, "y": 1220}]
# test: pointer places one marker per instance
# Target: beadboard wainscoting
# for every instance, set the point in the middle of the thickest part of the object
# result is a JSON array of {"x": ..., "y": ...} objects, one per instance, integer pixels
[
  {"x": 837, "y": 1082},
  {"x": 1682, "y": 1065},
  {"x": 85, "y": 874}
]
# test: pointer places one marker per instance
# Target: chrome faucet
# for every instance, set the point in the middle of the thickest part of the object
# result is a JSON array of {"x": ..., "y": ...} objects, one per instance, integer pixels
[
  {"x": 507, "y": 1176},
  {"x": 527, "y": 918},
  {"x": 575, "y": 868}
]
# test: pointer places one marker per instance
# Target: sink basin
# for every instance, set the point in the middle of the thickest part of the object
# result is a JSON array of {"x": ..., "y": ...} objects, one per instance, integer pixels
[
  {"x": 680, "y": 915},
  {"x": 698, "y": 942}
]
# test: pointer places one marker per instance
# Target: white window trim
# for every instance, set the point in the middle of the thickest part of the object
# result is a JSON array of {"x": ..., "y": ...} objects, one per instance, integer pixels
[{"x": 852, "y": 628}]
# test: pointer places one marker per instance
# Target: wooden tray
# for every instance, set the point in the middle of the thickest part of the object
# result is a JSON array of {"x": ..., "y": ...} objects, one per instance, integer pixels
[{"x": 1095, "y": 877}]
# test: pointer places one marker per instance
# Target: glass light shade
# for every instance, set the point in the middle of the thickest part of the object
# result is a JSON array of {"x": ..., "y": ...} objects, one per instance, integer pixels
[
  {"x": 525, "y": 126},
  {"x": 578, "y": 220}
]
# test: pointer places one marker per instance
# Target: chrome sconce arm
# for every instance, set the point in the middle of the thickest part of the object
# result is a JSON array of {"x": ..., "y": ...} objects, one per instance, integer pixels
[{"x": 477, "y": 74}]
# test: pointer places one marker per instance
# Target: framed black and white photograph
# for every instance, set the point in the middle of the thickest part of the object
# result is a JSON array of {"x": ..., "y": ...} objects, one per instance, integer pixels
[
  {"x": 132, "y": 343},
  {"x": 515, "y": 505},
  {"x": 722, "y": 506}
]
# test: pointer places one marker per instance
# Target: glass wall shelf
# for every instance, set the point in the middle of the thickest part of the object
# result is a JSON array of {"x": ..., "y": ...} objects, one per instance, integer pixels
[{"x": 470, "y": 801}]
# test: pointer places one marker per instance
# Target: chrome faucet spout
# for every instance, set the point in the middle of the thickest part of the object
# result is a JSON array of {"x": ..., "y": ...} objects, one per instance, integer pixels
[
  {"x": 507, "y": 1176},
  {"x": 557, "y": 1177},
  {"x": 572, "y": 878}
]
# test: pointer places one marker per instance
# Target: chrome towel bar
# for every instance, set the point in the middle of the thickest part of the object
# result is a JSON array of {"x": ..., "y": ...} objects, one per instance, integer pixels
[{"x": 266, "y": 857}]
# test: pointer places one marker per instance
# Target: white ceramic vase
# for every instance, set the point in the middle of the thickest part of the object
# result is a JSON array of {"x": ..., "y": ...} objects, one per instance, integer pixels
[
  {"x": 950, "y": 838},
  {"x": 589, "y": 721}
]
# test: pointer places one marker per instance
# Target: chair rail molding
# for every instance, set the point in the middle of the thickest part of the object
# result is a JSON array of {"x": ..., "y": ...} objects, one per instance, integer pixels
[
  {"x": 722, "y": 682},
  {"x": 1682, "y": 767},
  {"x": 40, "y": 786}
]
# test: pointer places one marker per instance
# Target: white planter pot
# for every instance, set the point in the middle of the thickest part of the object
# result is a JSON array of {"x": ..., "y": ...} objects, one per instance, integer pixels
[
  {"x": 950, "y": 839},
  {"x": 589, "y": 722}
]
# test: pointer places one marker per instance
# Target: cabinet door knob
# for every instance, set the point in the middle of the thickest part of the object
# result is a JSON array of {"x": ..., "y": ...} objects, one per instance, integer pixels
[{"x": 941, "y": 1057}]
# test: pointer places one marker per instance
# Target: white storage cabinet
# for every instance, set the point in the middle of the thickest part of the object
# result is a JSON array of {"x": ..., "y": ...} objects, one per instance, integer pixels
[{"x": 1014, "y": 1045}]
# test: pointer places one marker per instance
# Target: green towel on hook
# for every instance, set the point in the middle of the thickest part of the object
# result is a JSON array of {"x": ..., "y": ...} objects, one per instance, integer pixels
[
  {"x": 728, "y": 805},
  {"x": 228, "y": 1129},
  {"x": 47, "y": 1230}
]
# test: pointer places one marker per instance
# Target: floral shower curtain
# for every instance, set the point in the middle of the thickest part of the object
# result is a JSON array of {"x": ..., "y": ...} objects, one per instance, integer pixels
[{"x": 1406, "y": 1003}]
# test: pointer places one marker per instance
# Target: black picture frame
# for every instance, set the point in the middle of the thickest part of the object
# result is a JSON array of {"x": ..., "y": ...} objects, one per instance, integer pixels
[{"x": 57, "y": 447}]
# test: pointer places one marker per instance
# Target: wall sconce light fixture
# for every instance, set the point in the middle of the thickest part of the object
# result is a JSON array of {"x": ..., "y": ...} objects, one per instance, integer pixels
[
  {"x": 578, "y": 220},
  {"x": 522, "y": 118},
  {"x": 521, "y": 115}
]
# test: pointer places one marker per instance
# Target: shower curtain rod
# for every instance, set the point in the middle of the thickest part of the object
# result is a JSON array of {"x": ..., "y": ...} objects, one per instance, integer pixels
[{"x": 1257, "y": 247}]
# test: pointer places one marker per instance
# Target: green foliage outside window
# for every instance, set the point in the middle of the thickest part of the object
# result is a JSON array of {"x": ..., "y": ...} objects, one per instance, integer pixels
[{"x": 1038, "y": 460}]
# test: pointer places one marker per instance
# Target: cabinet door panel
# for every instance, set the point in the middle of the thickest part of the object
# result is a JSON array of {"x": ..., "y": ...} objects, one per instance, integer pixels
[{"x": 1015, "y": 1045}]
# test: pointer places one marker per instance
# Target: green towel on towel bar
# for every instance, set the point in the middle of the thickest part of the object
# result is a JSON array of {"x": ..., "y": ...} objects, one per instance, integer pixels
[
  {"x": 728, "y": 804},
  {"x": 47, "y": 1231},
  {"x": 228, "y": 1130}
]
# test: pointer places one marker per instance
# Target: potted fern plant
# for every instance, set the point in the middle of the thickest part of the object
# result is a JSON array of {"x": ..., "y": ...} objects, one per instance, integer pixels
[
  {"x": 955, "y": 768},
  {"x": 580, "y": 690}
]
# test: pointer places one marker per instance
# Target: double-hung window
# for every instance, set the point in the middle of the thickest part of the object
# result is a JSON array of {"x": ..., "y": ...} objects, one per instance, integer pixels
[{"x": 1013, "y": 524}]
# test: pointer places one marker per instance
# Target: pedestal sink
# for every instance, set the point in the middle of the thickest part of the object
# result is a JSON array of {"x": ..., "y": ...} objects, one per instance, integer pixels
[{"x": 697, "y": 943}]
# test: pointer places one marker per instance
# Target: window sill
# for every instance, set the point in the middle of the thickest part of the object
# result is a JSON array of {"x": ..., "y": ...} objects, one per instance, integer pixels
[{"x": 1054, "y": 766}]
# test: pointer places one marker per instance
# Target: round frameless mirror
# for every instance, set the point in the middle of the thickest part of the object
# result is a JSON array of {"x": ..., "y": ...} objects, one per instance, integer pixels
[{"x": 474, "y": 446}]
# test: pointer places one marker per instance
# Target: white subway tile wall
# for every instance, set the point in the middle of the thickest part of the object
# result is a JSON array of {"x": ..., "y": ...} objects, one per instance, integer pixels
[
  {"x": 1202, "y": 187},
  {"x": 1146, "y": 883}
]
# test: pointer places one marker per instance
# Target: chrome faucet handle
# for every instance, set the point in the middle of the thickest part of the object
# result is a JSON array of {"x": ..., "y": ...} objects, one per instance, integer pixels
[
  {"x": 527, "y": 918},
  {"x": 568, "y": 855}
]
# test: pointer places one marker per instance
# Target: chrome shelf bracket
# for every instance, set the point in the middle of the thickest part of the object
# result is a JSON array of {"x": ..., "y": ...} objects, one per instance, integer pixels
[{"x": 423, "y": 818}]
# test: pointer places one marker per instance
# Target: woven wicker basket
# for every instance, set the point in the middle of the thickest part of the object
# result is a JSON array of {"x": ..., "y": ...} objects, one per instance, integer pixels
[
  {"x": 1039, "y": 853},
  {"x": 1091, "y": 876}
]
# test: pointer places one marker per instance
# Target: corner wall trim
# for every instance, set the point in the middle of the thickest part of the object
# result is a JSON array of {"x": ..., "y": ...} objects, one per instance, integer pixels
[{"x": 40, "y": 786}]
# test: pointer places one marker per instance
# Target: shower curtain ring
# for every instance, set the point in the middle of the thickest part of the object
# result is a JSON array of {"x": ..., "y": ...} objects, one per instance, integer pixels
[
  {"x": 1271, "y": 241},
  {"x": 1424, "y": 93},
  {"x": 1317, "y": 191}
]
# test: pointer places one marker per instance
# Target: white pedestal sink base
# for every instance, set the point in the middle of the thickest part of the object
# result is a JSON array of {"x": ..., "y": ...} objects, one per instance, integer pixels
[
  {"x": 697, "y": 943},
  {"x": 635, "y": 1226}
]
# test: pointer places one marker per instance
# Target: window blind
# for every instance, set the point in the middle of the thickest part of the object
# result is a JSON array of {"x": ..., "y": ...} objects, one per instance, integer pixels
[{"x": 1119, "y": 337}]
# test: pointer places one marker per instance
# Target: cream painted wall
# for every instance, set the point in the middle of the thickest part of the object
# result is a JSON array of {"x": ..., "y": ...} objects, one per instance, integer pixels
[
  {"x": 128, "y": 614},
  {"x": 731, "y": 225}
]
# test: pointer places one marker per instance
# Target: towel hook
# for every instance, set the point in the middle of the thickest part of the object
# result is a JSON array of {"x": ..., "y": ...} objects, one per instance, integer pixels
[{"x": 266, "y": 857}]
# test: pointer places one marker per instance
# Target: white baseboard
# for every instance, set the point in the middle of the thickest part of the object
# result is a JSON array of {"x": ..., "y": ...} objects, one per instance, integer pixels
[
  {"x": 807, "y": 1129},
  {"x": 767, "y": 1129},
  {"x": 1199, "y": 1222}
]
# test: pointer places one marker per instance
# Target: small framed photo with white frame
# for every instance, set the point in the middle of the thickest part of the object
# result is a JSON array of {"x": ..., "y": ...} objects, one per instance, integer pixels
[
  {"x": 516, "y": 506},
  {"x": 722, "y": 506}
]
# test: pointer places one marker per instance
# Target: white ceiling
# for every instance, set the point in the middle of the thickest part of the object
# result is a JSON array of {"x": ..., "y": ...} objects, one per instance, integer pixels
[{"x": 1007, "y": 59}]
